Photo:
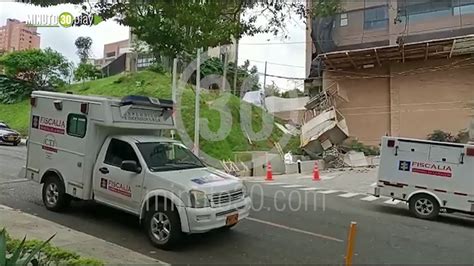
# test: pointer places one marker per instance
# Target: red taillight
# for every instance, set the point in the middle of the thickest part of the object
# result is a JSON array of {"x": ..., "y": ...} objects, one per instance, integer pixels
[
  {"x": 470, "y": 152},
  {"x": 33, "y": 101},
  {"x": 84, "y": 108},
  {"x": 391, "y": 143}
]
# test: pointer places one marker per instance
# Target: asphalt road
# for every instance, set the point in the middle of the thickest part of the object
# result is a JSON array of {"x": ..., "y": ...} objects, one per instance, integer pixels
[{"x": 286, "y": 226}]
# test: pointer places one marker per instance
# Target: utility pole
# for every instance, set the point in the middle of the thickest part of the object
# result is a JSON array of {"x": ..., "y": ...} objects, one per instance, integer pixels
[
  {"x": 173, "y": 90},
  {"x": 226, "y": 62},
  {"x": 197, "y": 104},
  {"x": 236, "y": 64},
  {"x": 175, "y": 80},
  {"x": 264, "y": 84},
  {"x": 265, "y": 76}
]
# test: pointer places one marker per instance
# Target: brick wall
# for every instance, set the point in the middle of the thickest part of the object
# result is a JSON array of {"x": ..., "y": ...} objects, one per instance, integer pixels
[{"x": 409, "y": 100}]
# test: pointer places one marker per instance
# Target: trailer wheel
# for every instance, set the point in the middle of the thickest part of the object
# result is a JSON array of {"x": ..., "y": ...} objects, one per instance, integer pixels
[
  {"x": 163, "y": 226},
  {"x": 54, "y": 194},
  {"x": 424, "y": 206}
]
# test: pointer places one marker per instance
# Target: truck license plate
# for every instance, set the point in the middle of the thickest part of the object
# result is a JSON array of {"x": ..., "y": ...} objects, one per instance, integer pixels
[{"x": 232, "y": 219}]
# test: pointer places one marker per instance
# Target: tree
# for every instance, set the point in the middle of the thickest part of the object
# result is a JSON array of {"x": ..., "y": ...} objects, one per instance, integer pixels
[
  {"x": 245, "y": 74},
  {"x": 86, "y": 72},
  {"x": 179, "y": 27},
  {"x": 83, "y": 45},
  {"x": 292, "y": 93},
  {"x": 272, "y": 90},
  {"x": 43, "y": 69}
]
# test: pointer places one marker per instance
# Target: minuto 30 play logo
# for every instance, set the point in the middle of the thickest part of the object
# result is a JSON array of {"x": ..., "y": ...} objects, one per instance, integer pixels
[{"x": 65, "y": 20}]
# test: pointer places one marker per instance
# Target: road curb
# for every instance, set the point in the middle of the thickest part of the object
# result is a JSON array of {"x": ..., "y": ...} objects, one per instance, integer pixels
[{"x": 19, "y": 224}]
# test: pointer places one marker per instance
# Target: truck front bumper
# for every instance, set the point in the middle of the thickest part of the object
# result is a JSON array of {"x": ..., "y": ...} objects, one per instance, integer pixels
[{"x": 205, "y": 219}]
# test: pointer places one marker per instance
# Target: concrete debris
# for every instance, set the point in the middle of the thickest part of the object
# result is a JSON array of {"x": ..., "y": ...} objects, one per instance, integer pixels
[{"x": 355, "y": 159}]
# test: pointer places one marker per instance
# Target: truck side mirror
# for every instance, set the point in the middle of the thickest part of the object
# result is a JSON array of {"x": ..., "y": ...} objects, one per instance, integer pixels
[{"x": 130, "y": 166}]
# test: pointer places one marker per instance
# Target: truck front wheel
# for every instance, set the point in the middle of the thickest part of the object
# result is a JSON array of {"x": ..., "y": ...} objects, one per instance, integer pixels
[
  {"x": 54, "y": 194},
  {"x": 424, "y": 206},
  {"x": 163, "y": 226}
]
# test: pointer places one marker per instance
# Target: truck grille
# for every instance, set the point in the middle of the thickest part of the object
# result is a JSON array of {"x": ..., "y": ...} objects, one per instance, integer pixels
[{"x": 226, "y": 197}]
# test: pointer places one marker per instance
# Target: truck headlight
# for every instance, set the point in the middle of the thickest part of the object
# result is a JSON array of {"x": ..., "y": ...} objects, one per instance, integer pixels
[
  {"x": 245, "y": 190},
  {"x": 198, "y": 199}
]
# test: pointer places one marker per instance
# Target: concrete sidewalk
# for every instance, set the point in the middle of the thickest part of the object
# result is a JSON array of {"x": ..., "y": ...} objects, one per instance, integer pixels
[{"x": 19, "y": 224}]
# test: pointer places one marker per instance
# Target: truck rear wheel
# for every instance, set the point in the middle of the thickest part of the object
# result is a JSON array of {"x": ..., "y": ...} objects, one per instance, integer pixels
[
  {"x": 424, "y": 206},
  {"x": 54, "y": 194},
  {"x": 163, "y": 226}
]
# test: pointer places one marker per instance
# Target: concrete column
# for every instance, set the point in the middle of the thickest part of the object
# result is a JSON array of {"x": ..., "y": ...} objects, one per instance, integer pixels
[
  {"x": 392, "y": 27},
  {"x": 394, "y": 102},
  {"x": 309, "y": 40},
  {"x": 471, "y": 130}
]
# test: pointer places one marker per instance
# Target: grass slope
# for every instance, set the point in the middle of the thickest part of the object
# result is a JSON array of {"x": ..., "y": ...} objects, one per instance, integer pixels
[{"x": 158, "y": 85}]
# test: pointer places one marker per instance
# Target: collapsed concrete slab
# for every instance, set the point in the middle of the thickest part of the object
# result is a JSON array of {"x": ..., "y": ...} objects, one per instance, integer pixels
[{"x": 323, "y": 131}]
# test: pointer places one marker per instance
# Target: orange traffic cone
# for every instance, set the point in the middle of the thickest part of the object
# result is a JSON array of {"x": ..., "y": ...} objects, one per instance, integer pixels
[
  {"x": 316, "y": 176},
  {"x": 269, "y": 172}
]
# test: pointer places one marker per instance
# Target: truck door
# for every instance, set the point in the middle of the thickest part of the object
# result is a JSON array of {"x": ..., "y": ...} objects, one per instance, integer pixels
[{"x": 114, "y": 186}]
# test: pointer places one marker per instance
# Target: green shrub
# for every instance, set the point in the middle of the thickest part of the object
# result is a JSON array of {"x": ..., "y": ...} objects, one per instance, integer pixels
[
  {"x": 463, "y": 136},
  {"x": 355, "y": 145},
  {"x": 157, "y": 68},
  {"x": 21, "y": 254},
  {"x": 39, "y": 253},
  {"x": 12, "y": 90},
  {"x": 439, "y": 135}
]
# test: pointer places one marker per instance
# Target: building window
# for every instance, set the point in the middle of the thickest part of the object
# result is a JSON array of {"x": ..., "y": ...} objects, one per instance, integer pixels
[
  {"x": 376, "y": 18},
  {"x": 110, "y": 54},
  {"x": 76, "y": 125},
  {"x": 462, "y": 7},
  {"x": 143, "y": 62},
  {"x": 425, "y": 9},
  {"x": 344, "y": 21}
]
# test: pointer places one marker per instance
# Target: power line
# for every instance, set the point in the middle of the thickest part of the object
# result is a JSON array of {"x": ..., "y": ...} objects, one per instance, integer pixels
[
  {"x": 273, "y": 63},
  {"x": 282, "y": 77},
  {"x": 355, "y": 75}
]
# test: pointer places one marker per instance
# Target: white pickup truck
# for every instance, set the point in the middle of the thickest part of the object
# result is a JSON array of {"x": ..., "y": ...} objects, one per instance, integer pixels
[
  {"x": 431, "y": 176},
  {"x": 113, "y": 151}
]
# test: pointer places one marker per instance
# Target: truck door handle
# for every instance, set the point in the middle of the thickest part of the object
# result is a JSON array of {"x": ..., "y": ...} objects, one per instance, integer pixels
[{"x": 104, "y": 170}]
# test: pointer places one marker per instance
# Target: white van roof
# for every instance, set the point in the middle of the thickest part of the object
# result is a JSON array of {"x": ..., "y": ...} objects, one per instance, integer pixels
[{"x": 133, "y": 111}]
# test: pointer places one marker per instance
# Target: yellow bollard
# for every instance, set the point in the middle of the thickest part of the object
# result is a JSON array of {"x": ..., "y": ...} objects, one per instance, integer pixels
[{"x": 350, "y": 243}]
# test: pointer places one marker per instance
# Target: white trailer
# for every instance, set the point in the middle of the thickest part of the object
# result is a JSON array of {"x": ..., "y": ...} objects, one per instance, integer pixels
[
  {"x": 431, "y": 176},
  {"x": 113, "y": 151}
]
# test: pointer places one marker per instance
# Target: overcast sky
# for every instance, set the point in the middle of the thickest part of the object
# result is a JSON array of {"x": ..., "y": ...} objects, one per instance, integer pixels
[{"x": 257, "y": 49}]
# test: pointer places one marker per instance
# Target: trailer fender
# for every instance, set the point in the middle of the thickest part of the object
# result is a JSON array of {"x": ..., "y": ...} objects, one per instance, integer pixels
[{"x": 165, "y": 195}]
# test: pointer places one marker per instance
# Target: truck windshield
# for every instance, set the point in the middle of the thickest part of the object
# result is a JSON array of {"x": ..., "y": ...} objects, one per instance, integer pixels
[{"x": 166, "y": 156}]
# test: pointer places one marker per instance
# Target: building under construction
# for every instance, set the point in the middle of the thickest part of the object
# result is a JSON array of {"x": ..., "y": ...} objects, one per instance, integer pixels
[{"x": 388, "y": 67}]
